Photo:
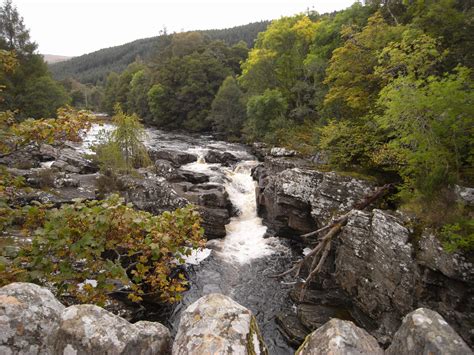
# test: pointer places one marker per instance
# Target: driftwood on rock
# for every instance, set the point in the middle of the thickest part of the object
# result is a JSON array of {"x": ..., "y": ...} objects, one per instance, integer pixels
[{"x": 321, "y": 250}]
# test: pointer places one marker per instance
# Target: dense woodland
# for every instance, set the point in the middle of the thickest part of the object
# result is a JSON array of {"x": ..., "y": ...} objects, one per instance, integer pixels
[
  {"x": 383, "y": 89},
  {"x": 93, "y": 68}
]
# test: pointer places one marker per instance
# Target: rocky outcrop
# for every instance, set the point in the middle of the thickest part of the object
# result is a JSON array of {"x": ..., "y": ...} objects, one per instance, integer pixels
[
  {"x": 213, "y": 204},
  {"x": 224, "y": 158},
  {"x": 88, "y": 329},
  {"x": 176, "y": 157},
  {"x": 215, "y": 324},
  {"x": 382, "y": 267},
  {"x": 338, "y": 337},
  {"x": 374, "y": 265},
  {"x": 426, "y": 332},
  {"x": 295, "y": 201},
  {"x": 29, "y": 319},
  {"x": 151, "y": 193}
]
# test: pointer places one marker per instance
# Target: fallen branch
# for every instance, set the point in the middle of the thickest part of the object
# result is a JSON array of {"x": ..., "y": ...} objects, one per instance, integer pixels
[{"x": 321, "y": 250}]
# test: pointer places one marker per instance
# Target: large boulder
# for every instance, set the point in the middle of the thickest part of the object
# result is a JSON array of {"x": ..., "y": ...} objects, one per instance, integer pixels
[
  {"x": 151, "y": 193},
  {"x": 224, "y": 158},
  {"x": 339, "y": 337},
  {"x": 29, "y": 319},
  {"x": 72, "y": 161},
  {"x": 215, "y": 324},
  {"x": 425, "y": 332},
  {"x": 88, "y": 329},
  {"x": 213, "y": 204},
  {"x": 176, "y": 157}
]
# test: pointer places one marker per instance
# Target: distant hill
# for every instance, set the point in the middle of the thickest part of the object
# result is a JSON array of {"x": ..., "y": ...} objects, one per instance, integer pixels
[
  {"x": 94, "y": 67},
  {"x": 52, "y": 58}
]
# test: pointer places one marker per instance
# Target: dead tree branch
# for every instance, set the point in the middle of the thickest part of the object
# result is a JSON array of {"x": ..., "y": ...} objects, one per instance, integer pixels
[{"x": 321, "y": 250}]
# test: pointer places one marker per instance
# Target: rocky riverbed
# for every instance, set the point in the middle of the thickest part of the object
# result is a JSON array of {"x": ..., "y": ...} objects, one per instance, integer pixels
[{"x": 378, "y": 271}]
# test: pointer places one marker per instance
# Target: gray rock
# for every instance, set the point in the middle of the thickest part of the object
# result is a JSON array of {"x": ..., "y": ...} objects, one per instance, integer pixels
[
  {"x": 176, "y": 157},
  {"x": 425, "y": 332},
  {"x": 465, "y": 194},
  {"x": 88, "y": 329},
  {"x": 29, "y": 319},
  {"x": 194, "y": 177},
  {"x": 297, "y": 201},
  {"x": 165, "y": 169},
  {"x": 213, "y": 205},
  {"x": 215, "y": 324},
  {"x": 152, "y": 194},
  {"x": 71, "y": 160},
  {"x": 260, "y": 150},
  {"x": 432, "y": 255},
  {"x": 338, "y": 337},
  {"x": 374, "y": 265},
  {"x": 282, "y": 152},
  {"x": 224, "y": 158}
]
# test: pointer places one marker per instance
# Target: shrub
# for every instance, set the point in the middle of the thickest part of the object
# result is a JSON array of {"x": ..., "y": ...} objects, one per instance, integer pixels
[{"x": 109, "y": 242}]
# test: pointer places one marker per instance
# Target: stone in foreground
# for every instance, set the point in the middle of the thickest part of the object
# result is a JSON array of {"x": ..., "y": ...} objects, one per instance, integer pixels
[
  {"x": 425, "y": 332},
  {"x": 29, "y": 319},
  {"x": 216, "y": 324},
  {"x": 88, "y": 329},
  {"x": 339, "y": 337}
]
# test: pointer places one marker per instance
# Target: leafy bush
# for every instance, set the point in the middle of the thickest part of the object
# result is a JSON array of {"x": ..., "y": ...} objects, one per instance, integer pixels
[
  {"x": 459, "y": 235},
  {"x": 109, "y": 242},
  {"x": 122, "y": 150}
]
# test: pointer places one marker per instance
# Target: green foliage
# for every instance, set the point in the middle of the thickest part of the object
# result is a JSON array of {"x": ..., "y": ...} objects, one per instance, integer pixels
[
  {"x": 459, "y": 235},
  {"x": 28, "y": 87},
  {"x": 123, "y": 150},
  {"x": 262, "y": 112},
  {"x": 353, "y": 85},
  {"x": 350, "y": 143},
  {"x": 109, "y": 242},
  {"x": 228, "y": 109},
  {"x": 430, "y": 125}
]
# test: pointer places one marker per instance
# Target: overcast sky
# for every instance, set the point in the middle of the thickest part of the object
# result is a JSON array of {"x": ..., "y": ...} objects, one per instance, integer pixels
[{"x": 73, "y": 27}]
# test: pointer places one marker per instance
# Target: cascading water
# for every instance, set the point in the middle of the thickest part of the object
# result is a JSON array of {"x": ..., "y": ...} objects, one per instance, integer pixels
[{"x": 240, "y": 264}]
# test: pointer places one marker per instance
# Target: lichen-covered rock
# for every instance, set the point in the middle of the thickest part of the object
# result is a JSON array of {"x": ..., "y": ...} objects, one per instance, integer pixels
[
  {"x": 425, "y": 332},
  {"x": 152, "y": 194},
  {"x": 465, "y": 194},
  {"x": 298, "y": 200},
  {"x": 176, "y": 157},
  {"x": 374, "y": 265},
  {"x": 339, "y": 337},
  {"x": 215, "y": 324},
  {"x": 88, "y": 329},
  {"x": 29, "y": 319},
  {"x": 282, "y": 152},
  {"x": 453, "y": 265}
]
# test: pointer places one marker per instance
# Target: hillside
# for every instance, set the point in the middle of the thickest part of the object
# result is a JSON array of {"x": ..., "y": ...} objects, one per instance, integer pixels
[
  {"x": 94, "y": 67},
  {"x": 53, "y": 58}
]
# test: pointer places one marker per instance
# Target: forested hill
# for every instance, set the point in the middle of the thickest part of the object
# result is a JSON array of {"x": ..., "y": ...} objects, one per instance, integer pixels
[{"x": 94, "y": 67}]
